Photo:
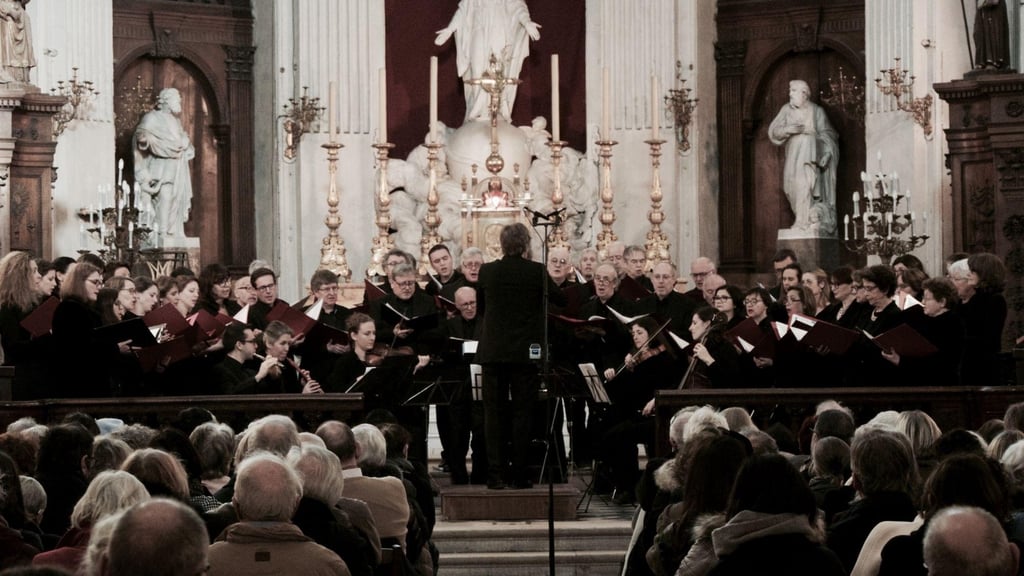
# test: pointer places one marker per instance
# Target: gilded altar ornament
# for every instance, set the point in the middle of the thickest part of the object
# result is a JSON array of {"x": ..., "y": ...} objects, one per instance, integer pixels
[
  {"x": 136, "y": 100},
  {"x": 846, "y": 95},
  {"x": 920, "y": 109},
  {"x": 299, "y": 115},
  {"x": 332, "y": 251},
  {"x": 78, "y": 94}
]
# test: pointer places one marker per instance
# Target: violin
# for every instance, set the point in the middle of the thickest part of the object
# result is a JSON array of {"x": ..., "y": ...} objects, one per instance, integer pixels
[
  {"x": 376, "y": 355},
  {"x": 643, "y": 352}
]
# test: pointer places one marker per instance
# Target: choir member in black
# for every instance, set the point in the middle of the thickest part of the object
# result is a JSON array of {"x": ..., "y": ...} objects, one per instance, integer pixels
[
  {"x": 942, "y": 327},
  {"x": 287, "y": 376},
  {"x": 167, "y": 287},
  {"x": 20, "y": 293},
  {"x": 444, "y": 270},
  {"x": 878, "y": 284},
  {"x": 666, "y": 303},
  {"x": 324, "y": 287},
  {"x": 714, "y": 362},
  {"x": 758, "y": 371},
  {"x": 470, "y": 261},
  {"x": 264, "y": 281},
  {"x": 845, "y": 311},
  {"x": 351, "y": 365},
  {"x": 410, "y": 302},
  {"x": 127, "y": 295},
  {"x": 125, "y": 372},
  {"x": 606, "y": 347},
  {"x": 79, "y": 372},
  {"x": 648, "y": 367},
  {"x": 793, "y": 359},
  {"x": 188, "y": 295},
  {"x": 729, "y": 301},
  {"x": 215, "y": 290},
  {"x": 817, "y": 282},
  {"x": 47, "y": 278},
  {"x": 242, "y": 292},
  {"x": 586, "y": 263},
  {"x": 512, "y": 291},
  {"x": 147, "y": 295},
  {"x": 231, "y": 376},
  {"x": 984, "y": 314},
  {"x": 466, "y": 415},
  {"x": 634, "y": 260}
]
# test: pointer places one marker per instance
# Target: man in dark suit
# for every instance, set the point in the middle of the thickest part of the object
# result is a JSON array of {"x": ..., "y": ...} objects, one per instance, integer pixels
[
  {"x": 700, "y": 268},
  {"x": 512, "y": 290},
  {"x": 666, "y": 303},
  {"x": 264, "y": 281}
]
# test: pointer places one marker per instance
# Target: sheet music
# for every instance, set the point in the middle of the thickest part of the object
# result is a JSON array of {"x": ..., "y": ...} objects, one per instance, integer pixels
[
  {"x": 593, "y": 380},
  {"x": 469, "y": 346},
  {"x": 242, "y": 315},
  {"x": 476, "y": 374},
  {"x": 625, "y": 319}
]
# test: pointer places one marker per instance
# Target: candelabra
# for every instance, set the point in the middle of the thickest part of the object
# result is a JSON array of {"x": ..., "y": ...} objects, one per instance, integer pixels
[
  {"x": 332, "y": 252},
  {"x": 136, "y": 100},
  {"x": 297, "y": 120},
  {"x": 382, "y": 241},
  {"x": 879, "y": 229},
  {"x": 657, "y": 245},
  {"x": 558, "y": 232},
  {"x": 607, "y": 235},
  {"x": 122, "y": 230},
  {"x": 902, "y": 91},
  {"x": 680, "y": 106},
  {"x": 432, "y": 220},
  {"x": 78, "y": 95},
  {"x": 846, "y": 95}
]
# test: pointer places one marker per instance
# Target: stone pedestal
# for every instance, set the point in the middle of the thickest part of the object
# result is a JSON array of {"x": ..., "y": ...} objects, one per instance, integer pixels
[{"x": 811, "y": 252}]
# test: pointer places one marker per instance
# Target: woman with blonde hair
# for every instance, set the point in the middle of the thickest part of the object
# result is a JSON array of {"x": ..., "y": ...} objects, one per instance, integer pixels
[{"x": 19, "y": 296}]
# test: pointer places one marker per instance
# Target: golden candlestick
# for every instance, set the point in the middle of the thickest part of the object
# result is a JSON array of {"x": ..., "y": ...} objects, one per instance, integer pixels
[
  {"x": 381, "y": 243},
  {"x": 432, "y": 219},
  {"x": 657, "y": 244},
  {"x": 558, "y": 234},
  {"x": 332, "y": 253},
  {"x": 606, "y": 236}
]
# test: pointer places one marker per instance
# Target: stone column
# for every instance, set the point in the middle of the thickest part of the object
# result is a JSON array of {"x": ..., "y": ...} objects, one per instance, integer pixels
[{"x": 239, "y": 62}]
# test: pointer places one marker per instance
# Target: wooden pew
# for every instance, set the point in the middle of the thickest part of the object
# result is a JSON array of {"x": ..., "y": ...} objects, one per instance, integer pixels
[
  {"x": 959, "y": 407},
  {"x": 308, "y": 411}
]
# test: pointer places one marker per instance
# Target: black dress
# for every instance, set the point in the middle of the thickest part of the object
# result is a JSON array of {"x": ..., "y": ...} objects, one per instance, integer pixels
[
  {"x": 30, "y": 357},
  {"x": 983, "y": 316},
  {"x": 945, "y": 331},
  {"x": 82, "y": 370}
]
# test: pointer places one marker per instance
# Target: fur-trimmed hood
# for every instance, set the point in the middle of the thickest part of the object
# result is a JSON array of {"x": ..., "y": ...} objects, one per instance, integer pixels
[{"x": 666, "y": 477}]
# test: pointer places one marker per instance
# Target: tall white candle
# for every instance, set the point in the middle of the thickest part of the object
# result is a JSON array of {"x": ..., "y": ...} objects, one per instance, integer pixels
[
  {"x": 382, "y": 81},
  {"x": 654, "y": 107},
  {"x": 330, "y": 110},
  {"x": 606, "y": 108},
  {"x": 81, "y": 234},
  {"x": 856, "y": 204},
  {"x": 846, "y": 226},
  {"x": 131, "y": 233},
  {"x": 556, "y": 115},
  {"x": 120, "y": 169},
  {"x": 433, "y": 98}
]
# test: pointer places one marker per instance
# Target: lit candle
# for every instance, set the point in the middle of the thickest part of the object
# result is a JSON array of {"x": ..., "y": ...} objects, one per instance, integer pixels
[
  {"x": 383, "y": 88},
  {"x": 92, "y": 214},
  {"x": 120, "y": 168},
  {"x": 846, "y": 226},
  {"x": 433, "y": 99},
  {"x": 654, "y": 107},
  {"x": 330, "y": 110},
  {"x": 911, "y": 222},
  {"x": 606, "y": 109},
  {"x": 556, "y": 115},
  {"x": 856, "y": 204},
  {"x": 81, "y": 234},
  {"x": 131, "y": 232}
]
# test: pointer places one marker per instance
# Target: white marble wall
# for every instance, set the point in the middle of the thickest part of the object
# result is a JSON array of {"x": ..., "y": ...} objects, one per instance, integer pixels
[
  {"x": 311, "y": 43},
  {"x": 928, "y": 37},
  {"x": 67, "y": 34}
]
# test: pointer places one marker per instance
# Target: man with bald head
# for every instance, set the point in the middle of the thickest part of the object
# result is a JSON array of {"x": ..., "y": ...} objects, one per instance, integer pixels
[
  {"x": 667, "y": 304},
  {"x": 147, "y": 532},
  {"x": 700, "y": 269},
  {"x": 463, "y": 417},
  {"x": 711, "y": 285},
  {"x": 611, "y": 346},
  {"x": 968, "y": 541}
]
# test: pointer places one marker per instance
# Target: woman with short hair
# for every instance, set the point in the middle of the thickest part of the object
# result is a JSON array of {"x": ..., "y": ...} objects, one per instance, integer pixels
[{"x": 984, "y": 315}]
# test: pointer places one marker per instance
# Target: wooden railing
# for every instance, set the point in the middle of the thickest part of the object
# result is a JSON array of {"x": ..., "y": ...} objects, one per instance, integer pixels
[
  {"x": 307, "y": 410},
  {"x": 960, "y": 407}
]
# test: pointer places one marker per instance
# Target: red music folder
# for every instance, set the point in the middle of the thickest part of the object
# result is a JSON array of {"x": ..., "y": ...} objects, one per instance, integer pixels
[
  {"x": 905, "y": 341},
  {"x": 295, "y": 319},
  {"x": 40, "y": 321}
]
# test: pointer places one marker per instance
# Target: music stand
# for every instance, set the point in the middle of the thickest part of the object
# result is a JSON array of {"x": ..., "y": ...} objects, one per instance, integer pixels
[{"x": 599, "y": 395}]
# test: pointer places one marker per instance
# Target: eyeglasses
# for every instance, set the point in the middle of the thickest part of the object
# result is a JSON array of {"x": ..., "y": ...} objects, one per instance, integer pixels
[
  {"x": 265, "y": 287},
  {"x": 867, "y": 288},
  {"x": 95, "y": 282},
  {"x": 700, "y": 274},
  {"x": 226, "y": 281},
  {"x": 471, "y": 264},
  {"x": 752, "y": 302},
  {"x": 603, "y": 279},
  {"x": 405, "y": 283},
  {"x": 249, "y": 341},
  {"x": 467, "y": 304},
  {"x": 721, "y": 298},
  {"x": 561, "y": 261}
]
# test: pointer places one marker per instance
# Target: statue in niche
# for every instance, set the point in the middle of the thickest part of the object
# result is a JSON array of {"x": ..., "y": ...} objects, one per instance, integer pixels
[
  {"x": 483, "y": 28},
  {"x": 16, "y": 54},
  {"x": 162, "y": 151},
  {"x": 812, "y": 153},
  {"x": 991, "y": 35}
]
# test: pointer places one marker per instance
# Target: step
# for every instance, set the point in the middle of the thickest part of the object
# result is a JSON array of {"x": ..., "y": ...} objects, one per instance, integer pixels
[
  {"x": 503, "y": 537},
  {"x": 592, "y": 563},
  {"x": 472, "y": 502}
]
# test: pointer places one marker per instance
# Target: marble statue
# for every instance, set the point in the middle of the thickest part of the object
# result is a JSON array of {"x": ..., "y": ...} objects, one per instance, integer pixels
[
  {"x": 162, "y": 151},
  {"x": 812, "y": 153},
  {"x": 16, "y": 54},
  {"x": 483, "y": 28},
  {"x": 991, "y": 35}
]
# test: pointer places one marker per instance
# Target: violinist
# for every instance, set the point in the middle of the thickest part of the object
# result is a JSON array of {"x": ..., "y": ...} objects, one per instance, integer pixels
[
  {"x": 351, "y": 365},
  {"x": 231, "y": 376},
  {"x": 650, "y": 366},
  {"x": 714, "y": 362},
  {"x": 286, "y": 376}
]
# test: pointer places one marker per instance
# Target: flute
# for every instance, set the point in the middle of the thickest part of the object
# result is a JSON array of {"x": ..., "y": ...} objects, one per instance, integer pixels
[{"x": 303, "y": 376}]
